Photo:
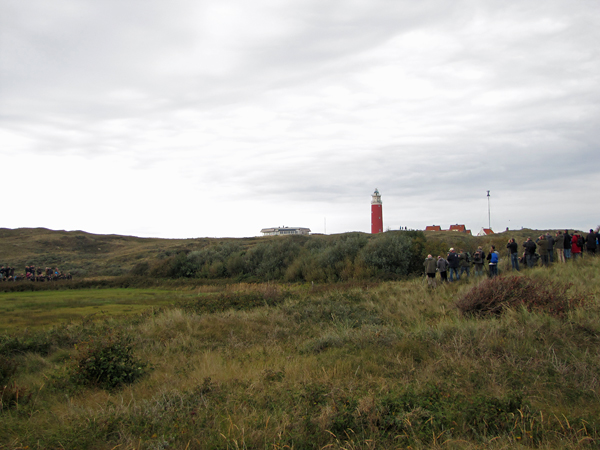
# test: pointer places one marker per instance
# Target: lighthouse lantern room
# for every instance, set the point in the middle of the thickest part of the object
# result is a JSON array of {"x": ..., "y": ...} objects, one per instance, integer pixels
[{"x": 376, "y": 213}]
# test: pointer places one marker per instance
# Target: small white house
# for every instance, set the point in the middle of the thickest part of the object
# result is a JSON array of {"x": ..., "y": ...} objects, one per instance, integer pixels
[
  {"x": 485, "y": 232},
  {"x": 281, "y": 231}
]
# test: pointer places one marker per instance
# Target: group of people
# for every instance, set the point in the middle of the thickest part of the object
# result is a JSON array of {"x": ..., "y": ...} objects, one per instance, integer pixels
[
  {"x": 566, "y": 246},
  {"x": 33, "y": 273},
  {"x": 455, "y": 265}
]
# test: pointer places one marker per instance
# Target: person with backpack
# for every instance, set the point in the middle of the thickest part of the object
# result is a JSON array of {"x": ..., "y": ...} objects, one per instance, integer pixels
[
  {"x": 464, "y": 262},
  {"x": 513, "y": 249},
  {"x": 530, "y": 248},
  {"x": 576, "y": 245},
  {"x": 442, "y": 266},
  {"x": 478, "y": 260}
]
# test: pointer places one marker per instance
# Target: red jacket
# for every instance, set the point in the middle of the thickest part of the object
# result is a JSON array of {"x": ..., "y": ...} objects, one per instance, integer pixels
[{"x": 574, "y": 247}]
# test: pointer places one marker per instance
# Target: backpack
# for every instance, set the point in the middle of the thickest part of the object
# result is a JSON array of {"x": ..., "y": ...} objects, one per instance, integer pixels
[
  {"x": 468, "y": 256},
  {"x": 580, "y": 241}
]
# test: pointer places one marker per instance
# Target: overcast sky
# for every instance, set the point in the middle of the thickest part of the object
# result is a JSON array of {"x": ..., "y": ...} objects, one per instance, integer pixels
[{"x": 193, "y": 118}]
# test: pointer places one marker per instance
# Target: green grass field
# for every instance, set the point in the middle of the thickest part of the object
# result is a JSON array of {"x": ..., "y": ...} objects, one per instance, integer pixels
[
  {"x": 362, "y": 364},
  {"x": 45, "y": 309},
  {"x": 268, "y": 366}
]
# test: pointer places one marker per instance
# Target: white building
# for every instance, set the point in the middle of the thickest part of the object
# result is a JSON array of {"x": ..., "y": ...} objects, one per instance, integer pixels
[
  {"x": 485, "y": 232},
  {"x": 284, "y": 231}
]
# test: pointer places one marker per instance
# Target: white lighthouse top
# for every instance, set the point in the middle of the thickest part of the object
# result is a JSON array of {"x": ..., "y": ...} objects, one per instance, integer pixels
[{"x": 376, "y": 198}]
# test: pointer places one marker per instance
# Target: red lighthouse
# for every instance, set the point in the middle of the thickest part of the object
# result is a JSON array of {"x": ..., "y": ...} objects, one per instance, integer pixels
[{"x": 376, "y": 213}]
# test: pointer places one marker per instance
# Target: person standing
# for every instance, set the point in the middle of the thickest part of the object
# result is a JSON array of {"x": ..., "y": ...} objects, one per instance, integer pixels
[
  {"x": 442, "y": 266},
  {"x": 567, "y": 245},
  {"x": 453, "y": 262},
  {"x": 591, "y": 242},
  {"x": 478, "y": 260},
  {"x": 513, "y": 249},
  {"x": 576, "y": 245},
  {"x": 494, "y": 258},
  {"x": 542, "y": 246},
  {"x": 464, "y": 262},
  {"x": 550, "y": 240},
  {"x": 530, "y": 248},
  {"x": 560, "y": 247},
  {"x": 430, "y": 265}
]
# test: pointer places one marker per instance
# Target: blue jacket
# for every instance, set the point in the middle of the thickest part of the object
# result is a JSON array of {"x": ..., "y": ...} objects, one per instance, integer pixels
[{"x": 494, "y": 259}]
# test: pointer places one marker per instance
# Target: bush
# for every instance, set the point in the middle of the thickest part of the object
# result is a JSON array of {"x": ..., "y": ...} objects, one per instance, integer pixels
[
  {"x": 390, "y": 253},
  {"x": 8, "y": 367},
  {"x": 141, "y": 269},
  {"x": 13, "y": 396},
  {"x": 107, "y": 363},
  {"x": 40, "y": 343},
  {"x": 492, "y": 297}
]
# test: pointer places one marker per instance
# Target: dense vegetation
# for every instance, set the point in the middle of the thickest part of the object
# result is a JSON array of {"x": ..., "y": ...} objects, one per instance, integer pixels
[
  {"x": 298, "y": 258},
  {"x": 369, "y": 362},
  {"x": 377, "y": 365},
  {"x": 318, "y": 258}
]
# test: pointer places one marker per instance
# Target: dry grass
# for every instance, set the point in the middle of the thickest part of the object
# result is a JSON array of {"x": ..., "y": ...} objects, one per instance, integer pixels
[{"x": 326, "y": 367}]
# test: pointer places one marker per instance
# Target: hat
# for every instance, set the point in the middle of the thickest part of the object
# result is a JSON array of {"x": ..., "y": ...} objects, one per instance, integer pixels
[{"x": 452, "y": 249}]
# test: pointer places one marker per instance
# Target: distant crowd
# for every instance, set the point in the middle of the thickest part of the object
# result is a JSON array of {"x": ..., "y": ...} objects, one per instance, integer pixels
[
  {"x": 33, "y": 273},
  {"x": 565, "y": 246}
]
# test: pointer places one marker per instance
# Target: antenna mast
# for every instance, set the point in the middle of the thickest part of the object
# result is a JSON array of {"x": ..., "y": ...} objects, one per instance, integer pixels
[{"x": 489, "y": 216}]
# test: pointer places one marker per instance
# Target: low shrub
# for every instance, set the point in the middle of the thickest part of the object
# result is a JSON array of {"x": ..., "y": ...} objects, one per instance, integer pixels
[
  {"x": 13, "y": 396},
  {"x": 239, "y": 301},
  {"x": 492, "y": 297},
  {"x": 12, "y": 345},
  {"x": 8, "y": 367},
  {"x": 141, "y": 269},
  {"x": 107, "y": 363}
]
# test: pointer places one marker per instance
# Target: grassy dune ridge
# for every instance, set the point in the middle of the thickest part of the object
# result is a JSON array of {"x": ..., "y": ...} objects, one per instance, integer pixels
[
  {"x": 357, "y": 365},
  {"x": 318, "y": 258}
]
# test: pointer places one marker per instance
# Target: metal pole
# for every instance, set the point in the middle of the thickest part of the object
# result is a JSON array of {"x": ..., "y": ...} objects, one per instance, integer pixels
[{"x": 489, "y": 216}]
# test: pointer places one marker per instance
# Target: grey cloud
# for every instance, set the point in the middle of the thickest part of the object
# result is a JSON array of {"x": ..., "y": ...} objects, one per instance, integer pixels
[{"x": 429, "y": 101}]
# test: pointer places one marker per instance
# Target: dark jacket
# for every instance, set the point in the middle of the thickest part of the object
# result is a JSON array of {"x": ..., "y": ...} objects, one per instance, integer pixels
[
  {"x": 442, "y": 264},
  {"x": 453, "y": 260},
  {"x": 530, "y": 247},
  {"x": 513, "y": 247},
  {"x": 591, "y": 241},
  {"x": 551, "y": 242},
  {"x": 479, "y": 257},
  {"x": 568, "y": 238}
]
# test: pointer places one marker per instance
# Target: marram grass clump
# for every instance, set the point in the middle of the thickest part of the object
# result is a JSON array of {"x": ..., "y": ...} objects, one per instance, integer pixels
[{"x": 494, "y": 296}]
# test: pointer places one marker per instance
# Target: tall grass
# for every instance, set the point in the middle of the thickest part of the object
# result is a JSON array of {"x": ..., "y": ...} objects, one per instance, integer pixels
[{"x": 380, "y": 365}]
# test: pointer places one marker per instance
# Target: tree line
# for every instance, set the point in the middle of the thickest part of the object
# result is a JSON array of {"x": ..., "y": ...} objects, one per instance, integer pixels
[{"x": 390, "y": 255}]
